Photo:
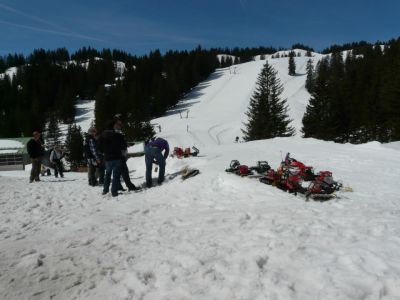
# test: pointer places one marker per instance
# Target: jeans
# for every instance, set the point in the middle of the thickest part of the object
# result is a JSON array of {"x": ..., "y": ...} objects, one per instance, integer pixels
[
  {"x": 36, "y": 165},
  {"x": 94, "y": 172},
  {"x": 154, "y": 154},
  {"x": 125, "y": 175},
  {"x": 112, "y": 167},
  {"x": 58, "y": 168}
]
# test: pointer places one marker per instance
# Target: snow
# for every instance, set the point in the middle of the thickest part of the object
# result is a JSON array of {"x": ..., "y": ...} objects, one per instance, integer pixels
[
  {"x": 225, "y": 56},
  {"x": 10, "y": 72},
  {"x": 216, "y": 235},
  {"x": 8, "y": 151},
  {"x": 217, "y": 106},
  {"x": 136, "y": 148},
  {"x": 10, "y": 146},
  {"x": 7, "y": 144},
  {"x": 119, "y": 65},
  {"x": 84, "y": 115}
]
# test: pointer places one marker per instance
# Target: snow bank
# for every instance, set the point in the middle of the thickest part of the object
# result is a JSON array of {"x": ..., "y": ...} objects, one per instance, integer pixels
[
  {"x": 7, "y": 144},
  {"x": 214, "y": 236},
  {"x": 9, "y": 151}
]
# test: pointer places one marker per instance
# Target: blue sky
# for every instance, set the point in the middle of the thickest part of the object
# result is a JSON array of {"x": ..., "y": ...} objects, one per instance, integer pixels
[{"x": 141, "y": 26}]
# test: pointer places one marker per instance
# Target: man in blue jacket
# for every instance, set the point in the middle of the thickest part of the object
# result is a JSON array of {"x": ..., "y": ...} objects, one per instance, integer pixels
[{"x": 153, "y": 154}]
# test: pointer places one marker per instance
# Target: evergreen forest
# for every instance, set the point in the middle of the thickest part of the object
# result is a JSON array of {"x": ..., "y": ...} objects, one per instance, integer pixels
[
  {"x": 355, "y": 98},
  {"x": 49, "y": 82}
]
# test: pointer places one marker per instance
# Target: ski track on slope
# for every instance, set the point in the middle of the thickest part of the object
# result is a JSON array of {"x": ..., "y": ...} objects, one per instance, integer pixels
[
  {"x": 215, "y": 94},
  {"x": 214, "y": 138}
]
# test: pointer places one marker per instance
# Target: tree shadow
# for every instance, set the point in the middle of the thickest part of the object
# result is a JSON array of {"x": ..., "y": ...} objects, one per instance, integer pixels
[
  {"x": 82, "y": 114},
  {"x": 190, "y": 98}
]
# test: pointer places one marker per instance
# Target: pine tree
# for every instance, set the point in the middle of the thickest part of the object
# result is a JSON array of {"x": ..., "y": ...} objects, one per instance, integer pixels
[
  {"x": 138, "y": 130},
  {"x": 74, "y": 146},
  {"x": 292, "y": 64},
  {"x": 316, "y": 115},
  {"x": 267, "y": 112},
  {"x": 338, "y": 117},
  {"x": 52, "y": 133},
  {"x": 222, "y": 62},
  {"x": 101, "y": 109},
  {"x": 65, "y": 102},
  {"x": 310, "y": 76}
]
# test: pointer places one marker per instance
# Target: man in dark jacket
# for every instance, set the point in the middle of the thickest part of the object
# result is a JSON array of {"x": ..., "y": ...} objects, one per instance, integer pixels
[
  {"x": 153, "y": 154},
  {"x": 124, "y": 167},
  {"x": 35, "y": 151},
  {"x": 112, "y": 143},
  {"x": 94, "y": 158}
]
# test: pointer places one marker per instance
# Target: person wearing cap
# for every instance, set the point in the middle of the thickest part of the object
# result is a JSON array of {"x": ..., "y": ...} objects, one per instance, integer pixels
[
  {"x": 94, "y": 158},
  {"x": 35, "y": 150},
  {"x": 153, "y": 154},
  {"x": 112, "y": 143}
]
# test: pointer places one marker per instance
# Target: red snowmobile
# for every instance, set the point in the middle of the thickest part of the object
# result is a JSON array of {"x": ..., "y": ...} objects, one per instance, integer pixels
[
  {"x": 291, "y": 174},
  {"x": 323, "y": 186},
  {"x": 238, "y": 169},
  {"x": 284, "y": 179},
  {"x": 262, "y": 167},
  {"x": 180, "y": 152},
  {"x": 305, "y": 172}
]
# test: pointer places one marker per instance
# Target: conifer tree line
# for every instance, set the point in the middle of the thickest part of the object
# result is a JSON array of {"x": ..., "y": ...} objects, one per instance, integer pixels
[
  {"x": 49, "y": 82},
  {"x": 355, "y": 99}
]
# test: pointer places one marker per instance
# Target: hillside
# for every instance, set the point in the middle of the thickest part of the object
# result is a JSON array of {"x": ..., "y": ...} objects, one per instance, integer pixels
[
  {"x": 217, "y": 235},
  {"x": 216, "y": 107}
]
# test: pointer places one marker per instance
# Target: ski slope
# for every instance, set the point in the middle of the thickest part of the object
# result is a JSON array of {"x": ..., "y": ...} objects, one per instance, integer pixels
[
  {"x": 84, "y": 110},
  {"x": 216, "y": 235},
  {"x": 214, "y": 112}
]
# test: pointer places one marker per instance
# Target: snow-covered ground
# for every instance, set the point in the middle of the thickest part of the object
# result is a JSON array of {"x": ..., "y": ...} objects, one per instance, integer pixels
[
  {"x": 216, "y": 235},
  {"x": 10, "y": 72},
  {"x": 10, "y": 144},
  {"x": 84, "y": 118}
]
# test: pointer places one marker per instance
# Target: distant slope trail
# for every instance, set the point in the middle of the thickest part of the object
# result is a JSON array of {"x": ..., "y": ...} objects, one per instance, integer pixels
[{"x": 217, "y": 106}]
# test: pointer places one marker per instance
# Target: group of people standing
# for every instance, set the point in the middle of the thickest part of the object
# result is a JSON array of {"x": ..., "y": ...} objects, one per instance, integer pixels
[{"x": 106, "y": 156}]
